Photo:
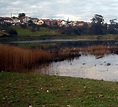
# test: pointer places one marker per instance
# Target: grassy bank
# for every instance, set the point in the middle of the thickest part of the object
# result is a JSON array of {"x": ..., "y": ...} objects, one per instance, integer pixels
[
  {"x": 19, "y": 90},
  {"x": 48, "y": 33},
  {"x": 27, "y": 31}
]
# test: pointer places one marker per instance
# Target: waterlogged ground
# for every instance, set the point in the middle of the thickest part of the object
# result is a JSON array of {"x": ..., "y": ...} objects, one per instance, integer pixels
[{"x": 86, "y": 66}]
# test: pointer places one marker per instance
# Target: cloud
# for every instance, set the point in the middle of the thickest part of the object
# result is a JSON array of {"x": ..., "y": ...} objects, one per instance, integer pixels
[{"x": 61, "y": 9}]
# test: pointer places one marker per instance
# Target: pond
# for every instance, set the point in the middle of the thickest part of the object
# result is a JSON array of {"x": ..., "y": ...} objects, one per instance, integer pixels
[{"x": 86, "y": 66}]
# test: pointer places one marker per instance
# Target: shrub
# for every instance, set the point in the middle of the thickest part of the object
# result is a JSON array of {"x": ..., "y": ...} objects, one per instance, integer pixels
[{"x": 12, "y": 32}]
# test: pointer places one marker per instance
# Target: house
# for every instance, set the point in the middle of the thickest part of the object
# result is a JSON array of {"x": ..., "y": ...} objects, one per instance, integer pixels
[
  {"x": 59, "y": 23},
  {"x": 56, "y": 23},
  {"x": 64, "y": 23},
  {"x": 6, "y": 20},
  {"x": 53, "y": 22},
  {"x": 24, "y": 19},
  {"x": 16, "y": 21},
  {"x": 34, "y": 20},
  {"x": 79, "y": 23},
  {"x": 74, "y": 23},
  {"x": 39, "y": 22},
  {"x": 47, "y": 22}
]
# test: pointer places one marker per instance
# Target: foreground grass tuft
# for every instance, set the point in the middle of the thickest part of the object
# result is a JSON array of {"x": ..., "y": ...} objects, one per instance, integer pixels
[{"x": 20, "y": 89}]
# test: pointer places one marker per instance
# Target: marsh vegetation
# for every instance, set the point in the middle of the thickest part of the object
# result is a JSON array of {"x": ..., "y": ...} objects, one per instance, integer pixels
[{"x": 14, "y": 58}]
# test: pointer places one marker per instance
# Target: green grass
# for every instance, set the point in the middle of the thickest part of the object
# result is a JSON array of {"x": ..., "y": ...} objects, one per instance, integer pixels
[
  {"x": 49, "y": 33},
  {"x": 28, "y": 32},
  {"x": 20, "y": 89}
]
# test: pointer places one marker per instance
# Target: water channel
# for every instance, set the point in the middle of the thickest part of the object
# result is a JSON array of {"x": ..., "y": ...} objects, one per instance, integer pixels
[{"x": 86, "y": 66}]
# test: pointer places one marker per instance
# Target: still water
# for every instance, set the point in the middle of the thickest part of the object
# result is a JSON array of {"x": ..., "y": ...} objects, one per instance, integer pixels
[{"x": 86, "y": 66}]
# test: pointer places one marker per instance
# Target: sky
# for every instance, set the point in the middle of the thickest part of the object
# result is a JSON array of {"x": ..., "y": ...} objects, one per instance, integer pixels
[{"x": 81, "y": 10}]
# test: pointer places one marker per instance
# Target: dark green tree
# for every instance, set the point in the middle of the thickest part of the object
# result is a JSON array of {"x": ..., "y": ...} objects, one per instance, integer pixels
[
  {"x": 97, "y": 27},
  {"x": 97, "y": 19},
  {"x": 21, "y": 15},
  {"x": 113, "y": 27}
]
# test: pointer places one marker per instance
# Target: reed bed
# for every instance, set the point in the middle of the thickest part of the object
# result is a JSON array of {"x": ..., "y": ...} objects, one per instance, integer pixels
[
  {"x": 15, "y": 58},
  {"x": 96, "y": 50},
  {"x": 66, "y": 53}
]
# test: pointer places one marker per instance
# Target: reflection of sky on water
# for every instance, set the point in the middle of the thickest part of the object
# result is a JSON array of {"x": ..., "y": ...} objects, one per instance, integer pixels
[{"x": 85, "y": 67}]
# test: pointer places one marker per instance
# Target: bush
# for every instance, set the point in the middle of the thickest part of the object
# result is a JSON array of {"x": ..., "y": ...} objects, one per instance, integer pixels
[{"x": 12, "y": 32}]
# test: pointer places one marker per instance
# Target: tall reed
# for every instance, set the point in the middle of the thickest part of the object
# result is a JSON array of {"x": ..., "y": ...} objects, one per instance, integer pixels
[
  {"x": 96, "y": 50},
  {"x": 15, "y": 58}
]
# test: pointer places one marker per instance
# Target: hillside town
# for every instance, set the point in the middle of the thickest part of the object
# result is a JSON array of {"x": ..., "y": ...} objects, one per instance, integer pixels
[
  {"x": 97, "y": 26},
  {"x": 49, "y": 22}
]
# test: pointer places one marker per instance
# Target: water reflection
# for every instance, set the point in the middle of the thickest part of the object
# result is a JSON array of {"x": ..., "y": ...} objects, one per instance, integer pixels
[{"x": 86, "y": 66}]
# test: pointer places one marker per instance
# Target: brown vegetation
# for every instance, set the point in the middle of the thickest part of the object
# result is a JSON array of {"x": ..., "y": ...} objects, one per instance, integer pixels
[
  {"x": 99, "y": 50},
  {"x": 65, "y": 53},
  {"x": 17, "y": 59},
  {"x": 14, "y": 58}
]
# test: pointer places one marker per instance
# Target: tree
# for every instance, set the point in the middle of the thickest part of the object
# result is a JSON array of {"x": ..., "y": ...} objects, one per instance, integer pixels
[
  {"x": 97, "y": 27},
  {"x": 113, "y": 27},
  {"x": 21, "y": 15},
  {"x": 97, "y": 19}
]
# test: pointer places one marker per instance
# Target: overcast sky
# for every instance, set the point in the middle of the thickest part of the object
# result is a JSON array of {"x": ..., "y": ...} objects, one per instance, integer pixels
[{"x": 61, "y": 9}]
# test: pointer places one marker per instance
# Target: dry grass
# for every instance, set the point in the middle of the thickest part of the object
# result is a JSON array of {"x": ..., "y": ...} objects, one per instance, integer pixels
[
  {"x": 14, "y": 58},
  {"x": 96, "y": 50},
  {"x": 66, "y": 53},
  {"x": 17, "y": 59}
]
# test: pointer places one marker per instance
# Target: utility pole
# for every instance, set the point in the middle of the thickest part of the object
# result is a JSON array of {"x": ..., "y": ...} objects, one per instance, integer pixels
[{"x": 11, "y": 14}]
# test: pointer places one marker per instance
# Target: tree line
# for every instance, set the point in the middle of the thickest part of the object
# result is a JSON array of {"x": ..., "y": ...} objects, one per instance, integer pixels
[{"x": 96, "y": 27}]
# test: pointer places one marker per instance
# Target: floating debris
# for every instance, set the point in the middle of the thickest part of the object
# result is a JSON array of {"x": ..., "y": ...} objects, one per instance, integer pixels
[
  {"x": 98, "y": 57},
  {"x": 108, "y": 64},
  {"x": 84, "y": 63}
]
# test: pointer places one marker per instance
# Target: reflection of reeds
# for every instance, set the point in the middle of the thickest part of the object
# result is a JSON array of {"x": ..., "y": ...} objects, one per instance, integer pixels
[
  {"x": 96, "y": 50},
  {"x": 66, "y": 53},
  {"x": 14, "y": 58}
]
